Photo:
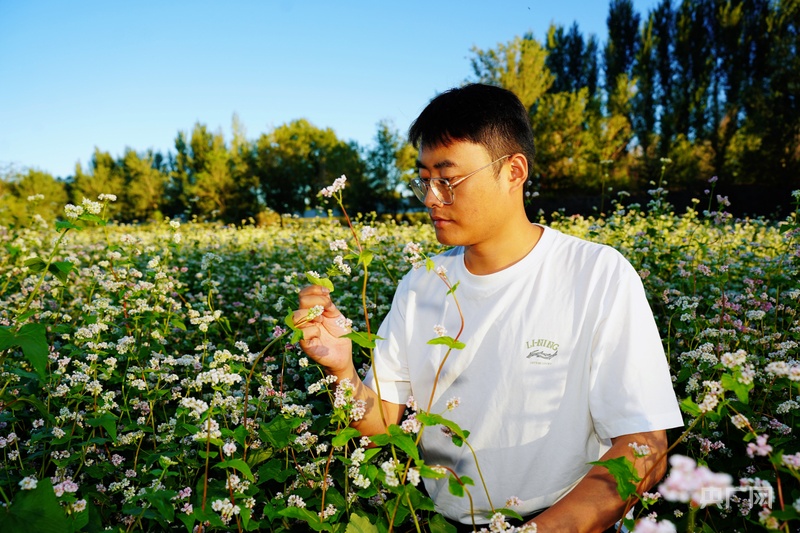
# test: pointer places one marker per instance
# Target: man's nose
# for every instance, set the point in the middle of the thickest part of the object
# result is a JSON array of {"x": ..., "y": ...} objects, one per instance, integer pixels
[{"x": 431, "y": 200}]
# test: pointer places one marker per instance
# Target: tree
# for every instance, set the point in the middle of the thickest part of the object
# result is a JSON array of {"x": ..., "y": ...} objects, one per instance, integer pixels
[
  {"x": 518, "y": 66},
  {"x": 144, "y": 186},
  {"x": 622, "y": 45},
  {"x": 728, "y": 77},
  {"x": 390, "y": 166},
  {"x": 296, "y": 160},
  {"x": 644, "y": 101},
  {"x": 176, "y": 201},
  {"x": 563, "y": 143},
  {"x": 663, "y": 28},
  {"x": 694, "y": 63},
  {"x": 30, "y": 193},
  {"x": 241, "y": 162},
  {"x": 772, "y": 108},
  {"x": 105, "y": 176},
  {"x": 572, "y": 61},
  {"x": 211, "y": 184}
]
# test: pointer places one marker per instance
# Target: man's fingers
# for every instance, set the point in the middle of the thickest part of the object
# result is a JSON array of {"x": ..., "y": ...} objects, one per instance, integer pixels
[{"x": 313, "y": 296}]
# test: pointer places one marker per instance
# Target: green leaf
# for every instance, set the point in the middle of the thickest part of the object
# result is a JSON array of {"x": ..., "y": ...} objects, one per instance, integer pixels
[
  {"x": 307, "y": 516},
  {"x": 455, "y": 488},
  {"x": 278, "y": 431},
  {"x": 188, "y": 521},
  {"x": 258, "y": 455},
  {"x": 344, "y": 437},
  {"x": 742, "y": 390},
  {"x": 690, "y": 408},
  {"x": 92, "y": 218},
  {"x": 403, "y": 440},
  {"x": 428, "y": 472},
  {"x": 360, "y": 524},
  {"x": 162, "y": 501},
  {"x": 274, "y": 470},
  {"x": 435, "y": 420},
  {"x": 237, "y": 464},
  {"x": 108, "y": 422},
  {"x": 363, "y": 339},
  {"x": 510, "y": 513},
  {"x": 13, "y": 251},
  {"x": 35, "y": 510},
  {"x": 65, "y": 225},
  {"x": 175, "y": 323},
  {"x": 35, "y": 264},
  {"x": 322, "y": 282},
  {"x": 438, "y": 524},
  {"x": 61, "y": 270},
  {"x": 623, "y": 471},
  {"x": 450, "y": 342},
  {"x": 32, "y": 338},
  {"x": 297, "y": 333},
  {"x": 7, "y": 337},
  {"x": 366, "y": 258}
]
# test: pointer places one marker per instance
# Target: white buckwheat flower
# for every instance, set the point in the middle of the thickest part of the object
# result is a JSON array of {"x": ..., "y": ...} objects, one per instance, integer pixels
[
  {"x": 28, "y": 483},
  {"x": 73, "y": 211},
  {"x": 338, "y": 185}
]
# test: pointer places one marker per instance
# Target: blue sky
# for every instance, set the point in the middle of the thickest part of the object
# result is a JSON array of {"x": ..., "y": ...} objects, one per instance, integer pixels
[{"x": 108, "y": 74}]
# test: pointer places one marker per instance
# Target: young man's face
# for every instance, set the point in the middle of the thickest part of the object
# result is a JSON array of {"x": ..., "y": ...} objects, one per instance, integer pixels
[{"x": 481, "y": 203}]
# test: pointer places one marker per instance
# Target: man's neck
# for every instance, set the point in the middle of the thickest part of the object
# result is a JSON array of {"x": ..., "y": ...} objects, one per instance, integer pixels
[{"x": 487, "y": 258}]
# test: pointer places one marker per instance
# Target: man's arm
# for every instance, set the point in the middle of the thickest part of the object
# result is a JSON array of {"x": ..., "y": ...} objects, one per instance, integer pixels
[
  {"x": 323, "y": 342},
  {"x": 594, "y": 504}
]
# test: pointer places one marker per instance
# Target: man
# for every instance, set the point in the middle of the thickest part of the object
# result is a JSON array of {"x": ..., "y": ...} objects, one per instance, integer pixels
[{"x": 563, "y": 363}]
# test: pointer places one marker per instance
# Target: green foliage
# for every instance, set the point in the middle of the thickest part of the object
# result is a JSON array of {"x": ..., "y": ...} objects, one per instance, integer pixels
[
  {"x": 28, "y": 196},
  {"x": 624, "y": 473},
  {"x": 518, "y": 66},
  {"x": 390, "y": 165},
  {"x": 298, "y": 159}
]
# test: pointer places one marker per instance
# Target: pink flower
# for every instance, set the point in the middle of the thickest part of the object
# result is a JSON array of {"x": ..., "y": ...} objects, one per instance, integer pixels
[
  {"x": 760, "y": 447},
  {"x": 648, "y": 525},
  {"x": 698, "y": 485}
]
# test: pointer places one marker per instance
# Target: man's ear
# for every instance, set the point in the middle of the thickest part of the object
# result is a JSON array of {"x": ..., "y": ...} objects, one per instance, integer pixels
[{"x": 519, "y": 170}]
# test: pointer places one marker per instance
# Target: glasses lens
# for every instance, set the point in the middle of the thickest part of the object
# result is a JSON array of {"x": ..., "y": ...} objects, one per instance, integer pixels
[
  {"x": 419, "y": 189},
  {"x": 441, "y": 188}
]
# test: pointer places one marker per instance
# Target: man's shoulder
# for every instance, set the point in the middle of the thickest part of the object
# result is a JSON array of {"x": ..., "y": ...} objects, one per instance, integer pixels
[
  {"x": 578, "y": 251},
  {"x": 567, "y": 242}
]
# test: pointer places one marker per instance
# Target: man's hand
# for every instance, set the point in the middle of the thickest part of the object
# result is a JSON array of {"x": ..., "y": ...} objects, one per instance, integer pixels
[
  {"x": 322, "y": 334},
  {"x": 323, "y": 342}
]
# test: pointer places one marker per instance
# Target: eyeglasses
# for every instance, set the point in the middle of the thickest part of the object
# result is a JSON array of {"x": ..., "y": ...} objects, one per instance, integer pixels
[{"x": 443, "y": 187}]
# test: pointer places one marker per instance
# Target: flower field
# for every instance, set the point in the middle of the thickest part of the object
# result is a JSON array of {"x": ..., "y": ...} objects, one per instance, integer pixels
[{"x": 151, "y": 380}]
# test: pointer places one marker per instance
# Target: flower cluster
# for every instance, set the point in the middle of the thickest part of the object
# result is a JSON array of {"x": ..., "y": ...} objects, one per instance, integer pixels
[{"x": 688, "y": 482}]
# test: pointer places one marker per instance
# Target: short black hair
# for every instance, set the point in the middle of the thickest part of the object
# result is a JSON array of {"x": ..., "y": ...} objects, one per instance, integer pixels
[{"x": 487, "y": 115}]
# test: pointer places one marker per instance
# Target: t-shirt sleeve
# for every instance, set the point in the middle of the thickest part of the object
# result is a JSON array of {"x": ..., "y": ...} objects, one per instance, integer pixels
[
  {"x": 388, "y": 376},
  {"x": 631, "y": 388}
]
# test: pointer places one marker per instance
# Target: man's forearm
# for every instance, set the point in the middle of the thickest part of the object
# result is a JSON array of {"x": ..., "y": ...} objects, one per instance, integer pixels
[{"x": 594, "y": 504}]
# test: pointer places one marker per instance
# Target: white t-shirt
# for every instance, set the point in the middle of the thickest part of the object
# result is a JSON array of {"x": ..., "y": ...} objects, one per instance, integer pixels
[{"x": 562, "y": 353}]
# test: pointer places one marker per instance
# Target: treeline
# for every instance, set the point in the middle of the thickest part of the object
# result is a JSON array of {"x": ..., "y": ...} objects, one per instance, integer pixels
[
  {"x": 710, "y": 85},
  {"x": 208, "y": 178},
  {"x": 706, "y": 87}
]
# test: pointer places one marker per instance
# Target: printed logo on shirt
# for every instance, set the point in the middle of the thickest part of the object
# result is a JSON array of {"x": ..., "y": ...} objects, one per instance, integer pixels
[{"x": 541, "y": 351}]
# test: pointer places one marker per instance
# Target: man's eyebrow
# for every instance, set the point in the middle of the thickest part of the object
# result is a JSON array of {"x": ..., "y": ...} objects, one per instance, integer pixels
[{"x": 441, "y": 164}]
